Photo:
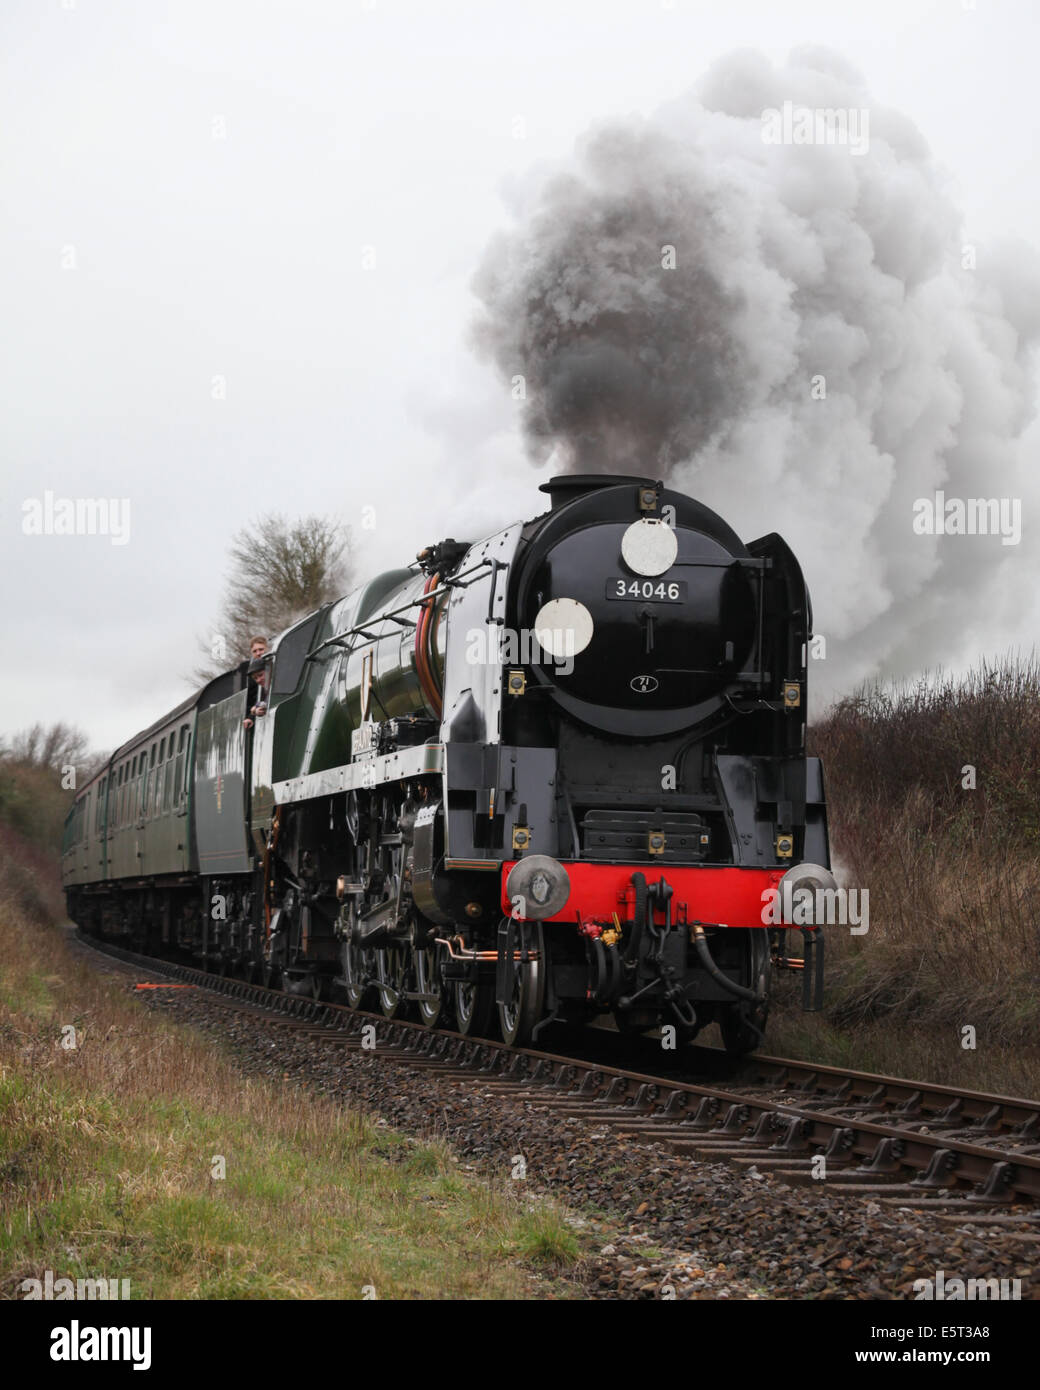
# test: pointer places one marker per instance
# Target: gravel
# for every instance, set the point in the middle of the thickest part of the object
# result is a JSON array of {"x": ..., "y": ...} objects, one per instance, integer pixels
[{"x": 658, "y": 1225}]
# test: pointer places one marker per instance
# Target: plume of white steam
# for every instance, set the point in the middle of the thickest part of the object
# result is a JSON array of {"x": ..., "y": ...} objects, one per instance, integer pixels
[{"x": 816, "y": 352}]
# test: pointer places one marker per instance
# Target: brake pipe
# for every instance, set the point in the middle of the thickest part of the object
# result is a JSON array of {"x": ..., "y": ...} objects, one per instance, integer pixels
[{"x": 700, "y": 942}]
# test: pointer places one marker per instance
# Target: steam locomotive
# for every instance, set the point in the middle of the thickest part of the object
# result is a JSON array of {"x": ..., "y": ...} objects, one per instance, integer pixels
[{"x": 559, "y": 774}]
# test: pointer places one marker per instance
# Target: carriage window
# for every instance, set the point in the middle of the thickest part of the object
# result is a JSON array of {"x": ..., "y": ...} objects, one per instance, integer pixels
[
  {"x": 182, "y": 765},
  {"x": 162, "y": 800}
]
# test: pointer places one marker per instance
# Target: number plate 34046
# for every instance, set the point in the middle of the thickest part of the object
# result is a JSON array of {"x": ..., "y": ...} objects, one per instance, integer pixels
[{"x": 656, "y": 590}]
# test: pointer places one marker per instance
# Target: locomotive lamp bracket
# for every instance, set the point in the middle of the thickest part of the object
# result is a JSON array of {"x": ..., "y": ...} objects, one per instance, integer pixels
[
  {"x": 784, "y": 846},
  {"x": 521, "y": 838},
  {"x": 516, "y": 683},
  {"x": 648, "y": 497},
  {"x": 792, "y": 694},
  {"x": 655, "y": 842}
]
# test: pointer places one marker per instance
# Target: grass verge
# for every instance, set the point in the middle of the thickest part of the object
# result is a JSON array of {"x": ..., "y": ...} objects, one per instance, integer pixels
[{"x": 110, "y": 1154}]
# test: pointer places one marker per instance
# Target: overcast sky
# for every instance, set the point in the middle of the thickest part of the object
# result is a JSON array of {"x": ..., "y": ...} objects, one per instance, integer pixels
[{"x": 196, "y": 191}]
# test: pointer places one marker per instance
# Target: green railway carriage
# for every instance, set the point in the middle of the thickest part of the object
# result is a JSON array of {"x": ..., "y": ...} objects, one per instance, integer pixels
[{"x": 130, "y": 827}]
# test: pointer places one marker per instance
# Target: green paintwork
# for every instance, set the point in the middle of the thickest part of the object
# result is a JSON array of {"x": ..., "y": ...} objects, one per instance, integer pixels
[
  {"x": 220, "y": 788},
  {"x": 307, "y": 730}
]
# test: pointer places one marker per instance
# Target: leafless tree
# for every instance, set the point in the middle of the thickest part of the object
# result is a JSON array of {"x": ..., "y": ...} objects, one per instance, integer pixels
[
  {"x": 278, "y": 572},
  {"x": 57, "y": 746},
  {"x": 53, "y": 748}
]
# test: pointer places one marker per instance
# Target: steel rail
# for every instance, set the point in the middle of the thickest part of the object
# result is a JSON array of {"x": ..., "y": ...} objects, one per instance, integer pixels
[{"x": 695, "y": 1118}]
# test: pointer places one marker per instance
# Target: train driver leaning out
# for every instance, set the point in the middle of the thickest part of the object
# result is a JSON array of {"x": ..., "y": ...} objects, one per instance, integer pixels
[{"x": 256, "y": 695}]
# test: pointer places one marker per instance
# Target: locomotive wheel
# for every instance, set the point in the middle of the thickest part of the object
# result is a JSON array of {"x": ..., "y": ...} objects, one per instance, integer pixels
[
  {"x": 474, "y": 1006},
  {"x": 428, "y": 981},
  {"x": 743, "y": 1024},
  {"x": 517, "y": 1018},
  {"x": 392, "y": 973},
  {"x": 358, "y": 969}
]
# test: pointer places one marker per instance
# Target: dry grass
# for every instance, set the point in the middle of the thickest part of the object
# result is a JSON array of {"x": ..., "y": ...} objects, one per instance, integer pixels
[
  {"x": 953, "y": 874},
  {"x": 106, "y": 1158}
]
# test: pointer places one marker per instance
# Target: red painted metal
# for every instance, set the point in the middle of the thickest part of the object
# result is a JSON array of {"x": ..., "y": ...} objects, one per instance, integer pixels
[{"x": 729, "y": 896}]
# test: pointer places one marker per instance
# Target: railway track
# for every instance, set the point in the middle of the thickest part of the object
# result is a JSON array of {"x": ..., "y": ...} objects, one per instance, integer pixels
[{"x": 963, "y": 1154}]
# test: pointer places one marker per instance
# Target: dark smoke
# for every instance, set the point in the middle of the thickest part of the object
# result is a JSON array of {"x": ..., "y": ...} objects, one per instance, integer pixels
[
  {"x": 624, "y": 362},
  {"x": 795, "y": 264}
]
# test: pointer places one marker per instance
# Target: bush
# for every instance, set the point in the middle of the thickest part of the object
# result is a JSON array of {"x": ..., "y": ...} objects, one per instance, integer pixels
[
  {"x": 934, "y": 806},
  {"x": 33, "y": 807}
]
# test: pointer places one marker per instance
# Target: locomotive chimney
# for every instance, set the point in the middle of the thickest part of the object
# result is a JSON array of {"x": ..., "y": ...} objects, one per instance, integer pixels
[{"x": 565, "y": 487}]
